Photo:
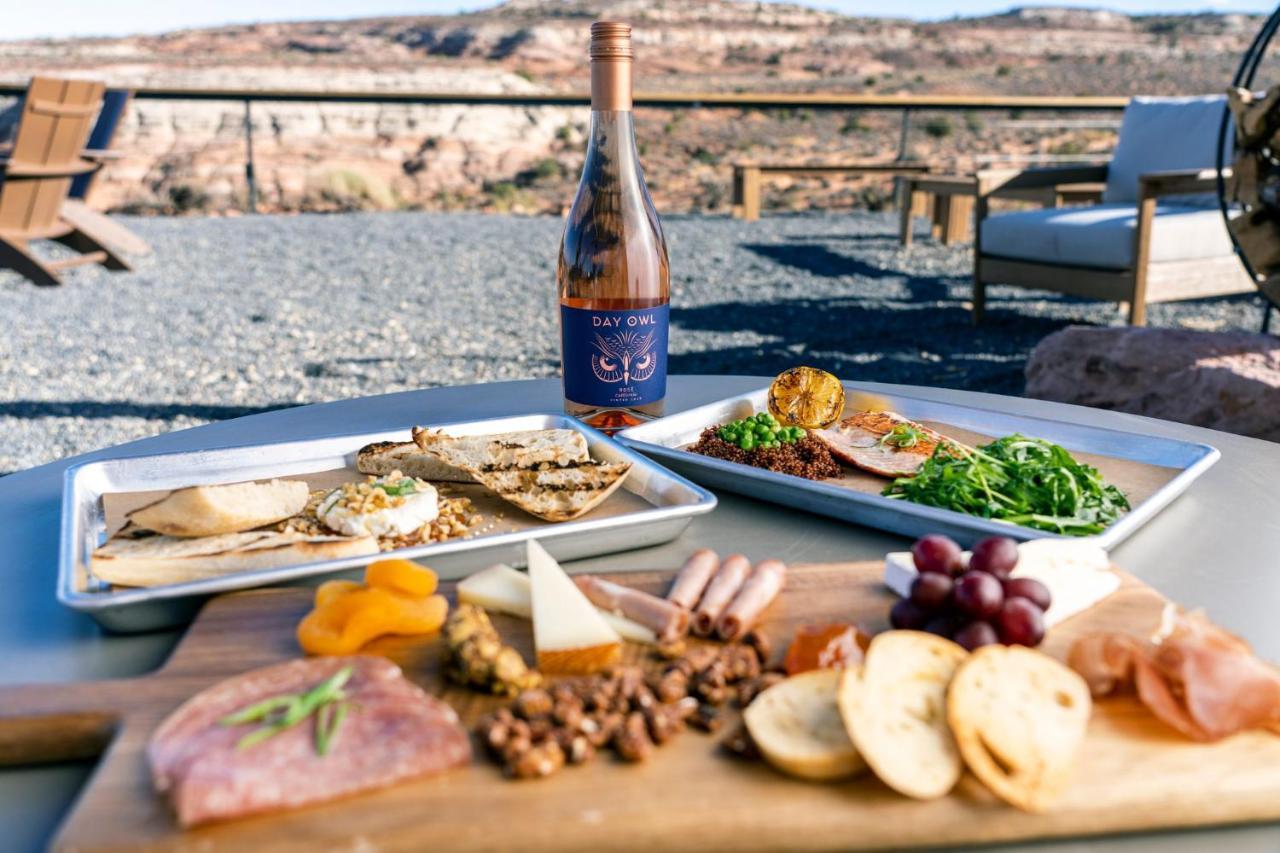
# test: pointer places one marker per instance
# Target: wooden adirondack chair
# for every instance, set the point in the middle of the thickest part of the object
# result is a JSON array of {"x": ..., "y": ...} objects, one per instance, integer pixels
[
  {"x": 35, "y": 178},
  {"x": 76, "y": 210}
]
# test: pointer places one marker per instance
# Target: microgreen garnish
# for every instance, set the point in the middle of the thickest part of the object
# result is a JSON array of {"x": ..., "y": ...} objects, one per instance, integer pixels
[
  {"x": 404, "y": 487},
  {"x": 325, "y": 702},
  {"x": 902, "y": 436},
  {"x": 1026, "y": 481}
]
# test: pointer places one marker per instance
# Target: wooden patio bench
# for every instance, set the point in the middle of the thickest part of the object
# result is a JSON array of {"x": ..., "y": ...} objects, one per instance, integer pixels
[{"x": 747, "y": 177}]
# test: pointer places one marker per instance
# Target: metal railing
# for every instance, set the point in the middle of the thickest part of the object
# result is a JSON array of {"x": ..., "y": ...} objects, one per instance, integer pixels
[{"x": 904, "y": 104}]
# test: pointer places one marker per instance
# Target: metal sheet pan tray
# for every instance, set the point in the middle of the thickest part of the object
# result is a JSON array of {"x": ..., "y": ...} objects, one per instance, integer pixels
[
  {"x": 1150, "y": 471},
  {"x": 652, "y": 506}
]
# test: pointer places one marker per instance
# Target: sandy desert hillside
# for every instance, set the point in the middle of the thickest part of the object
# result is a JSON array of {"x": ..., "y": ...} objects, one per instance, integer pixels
[{"x": 186, "y": 156}]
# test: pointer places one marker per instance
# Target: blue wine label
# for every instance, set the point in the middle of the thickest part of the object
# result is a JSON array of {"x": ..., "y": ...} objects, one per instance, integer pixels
[{"x": 614, "y": 358}]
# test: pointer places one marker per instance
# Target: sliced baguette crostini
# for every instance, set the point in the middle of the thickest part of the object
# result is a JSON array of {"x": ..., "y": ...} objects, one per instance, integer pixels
[
  {"x": 1019, "y": 718},
  {"x": 797, "y": 727},
  {"x": 894, "y": 708},
  {"x": 215, "y": 510}
]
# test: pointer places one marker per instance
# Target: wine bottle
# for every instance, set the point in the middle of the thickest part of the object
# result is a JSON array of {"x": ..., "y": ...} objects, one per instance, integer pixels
[{"x": 612, "y": 272}]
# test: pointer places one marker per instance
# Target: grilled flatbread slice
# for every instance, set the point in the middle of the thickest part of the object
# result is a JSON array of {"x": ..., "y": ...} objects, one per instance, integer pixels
[
  {"x": 526, "y": 449},
  {"x": 216, "y": 510},
  {"x": 1019, "y": 718},
  {"x": 547, "y": 473},
  {"x": 159, "y": 560},
  {"x": 557, "y": 494},
  {"x": 867, "y": 440},
  {"x": 384, "y": 457}
]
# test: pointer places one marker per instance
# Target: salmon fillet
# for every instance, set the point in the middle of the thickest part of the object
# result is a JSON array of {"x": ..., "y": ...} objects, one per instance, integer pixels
[
  {"x": 858, "y": 440},
  {"x": 393, "y": 732}
]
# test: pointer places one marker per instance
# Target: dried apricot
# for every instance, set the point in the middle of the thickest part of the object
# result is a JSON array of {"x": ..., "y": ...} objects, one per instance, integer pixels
[{"x": 401, "y": 576}]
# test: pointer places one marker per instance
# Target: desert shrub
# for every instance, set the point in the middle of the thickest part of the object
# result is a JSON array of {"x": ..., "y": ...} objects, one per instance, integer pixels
[
  {"x": 348, "y": 189},
  {"x": 1004, "y": 70},
  {"x": 938, "y": 127},
  {"x": 973, "y": 122},
  {"x": 185, "y": 198},
  {"x": 853, "y": 124},
  {"x": 525, "y": 74},
  {"x": 702, "y": 155}
]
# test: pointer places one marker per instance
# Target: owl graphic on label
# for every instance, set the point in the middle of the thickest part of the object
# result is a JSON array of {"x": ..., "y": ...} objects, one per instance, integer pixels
[{"x": 624, "y": 357}]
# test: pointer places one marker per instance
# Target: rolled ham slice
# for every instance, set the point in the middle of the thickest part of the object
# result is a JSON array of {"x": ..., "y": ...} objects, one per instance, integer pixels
[
  {"x": 668, "y": 621},
  {"x": 759, "y": 591},
  {"x": 728, "y": 579},
  {"x": 693, "y": 578}
]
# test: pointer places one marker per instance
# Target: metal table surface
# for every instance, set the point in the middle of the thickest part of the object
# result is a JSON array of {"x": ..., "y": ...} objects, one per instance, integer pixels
[{"x": 1216, "y": 547}]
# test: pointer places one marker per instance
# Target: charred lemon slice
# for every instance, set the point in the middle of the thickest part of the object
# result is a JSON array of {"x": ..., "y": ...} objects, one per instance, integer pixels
[{"x": 806, "y": 397}]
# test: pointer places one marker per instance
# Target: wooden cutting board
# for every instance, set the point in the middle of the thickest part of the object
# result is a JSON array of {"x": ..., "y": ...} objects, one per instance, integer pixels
[{"x": 1134, "y": 773}]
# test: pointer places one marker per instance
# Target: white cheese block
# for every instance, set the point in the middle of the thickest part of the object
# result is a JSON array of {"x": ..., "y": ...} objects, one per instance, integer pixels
[
  {"x": 503, "y": 589},
  {"x": 569, "y": 634},
  {"x": 1077, "y": 573}
]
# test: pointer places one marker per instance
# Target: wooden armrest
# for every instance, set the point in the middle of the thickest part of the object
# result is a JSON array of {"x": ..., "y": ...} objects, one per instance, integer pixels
[
  {"x": 101, "y": 155},
  {"x": 1180, "y": 182},
  {"x": 999, "y": 180},
  {"x": 17, "y": 169}
]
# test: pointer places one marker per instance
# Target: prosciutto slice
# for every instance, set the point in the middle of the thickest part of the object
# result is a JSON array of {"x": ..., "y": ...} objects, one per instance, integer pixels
[
  {"x": 668, "y": 621},
  {"x": 1194, "y": 676}
]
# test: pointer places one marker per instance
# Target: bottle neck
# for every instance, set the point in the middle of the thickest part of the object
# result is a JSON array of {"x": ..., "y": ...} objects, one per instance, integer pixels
[{"x": 611, "y": 85}]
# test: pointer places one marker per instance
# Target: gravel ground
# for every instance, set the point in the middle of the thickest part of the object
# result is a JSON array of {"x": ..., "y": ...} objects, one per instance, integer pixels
[{"x": 239, "y": 315}]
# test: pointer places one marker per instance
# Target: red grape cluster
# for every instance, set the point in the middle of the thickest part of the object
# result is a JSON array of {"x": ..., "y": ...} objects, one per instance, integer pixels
[{"x": 974, "y": 606}]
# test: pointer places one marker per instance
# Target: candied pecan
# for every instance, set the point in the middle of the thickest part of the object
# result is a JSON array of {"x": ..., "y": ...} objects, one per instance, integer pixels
[
  {"x": 753, "y": 687},
  {"x": 758, "y": 641},
  {"x": 670, "y": 651},
  {"x": 516, "y": 745},
  {"x": 540, "y": 727},
  {"x": 706, "y": 718},
  {"x": 600, "y": 728},
  {"x": 701, "y": 657},
  {"x": 494, "y": 731},
  {"x": 739, "y": 662},
  {"x": 663, "y": 722},
  {"x": 568, "y": 712},
  {"x": 540, "y": 759},
  {"x": 534, "y": 702},
  {"x": 643, "y": 698},
  {"x": 575, "y": 745},
  {"x": 686, "y": 707},
  {"x": 710, "y": 685},
  {"x": 632, "y": 741},
  {"x": 671, "y": 686}
]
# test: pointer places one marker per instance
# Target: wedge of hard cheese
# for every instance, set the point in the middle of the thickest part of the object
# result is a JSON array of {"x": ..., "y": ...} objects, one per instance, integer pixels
[
  {"x": 1077, "y": 573},
  {"x": 569, "y": 634},
  {"x": 503, "y": 589}
]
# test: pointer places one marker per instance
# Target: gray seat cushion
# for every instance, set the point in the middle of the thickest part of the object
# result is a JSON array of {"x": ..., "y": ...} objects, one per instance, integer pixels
[
  {"x": 1164, "y": 134},
  {"x": 1101, "y": 236}
]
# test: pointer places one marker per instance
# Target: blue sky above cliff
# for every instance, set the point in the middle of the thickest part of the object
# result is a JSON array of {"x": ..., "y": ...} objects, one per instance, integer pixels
[{"x": 121, "y": 17}]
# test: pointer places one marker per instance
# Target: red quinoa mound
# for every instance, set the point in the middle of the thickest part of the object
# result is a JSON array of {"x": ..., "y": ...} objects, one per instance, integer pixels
[{"x": 808, "y": 457}]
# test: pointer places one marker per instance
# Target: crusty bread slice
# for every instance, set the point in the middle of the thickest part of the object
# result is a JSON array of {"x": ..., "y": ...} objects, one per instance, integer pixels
[
  {"x": 557, "y": 494},
  {"x": 496, "y": 451},
  {"x": 1019, "y": 718},
  {"x": 797, "y": 727},
  {"x": 215, "y": 510},
  {"x": 159, "y": 560},
  {"x": 384, "y": 457},
  {"x": 894, "y": 710}
]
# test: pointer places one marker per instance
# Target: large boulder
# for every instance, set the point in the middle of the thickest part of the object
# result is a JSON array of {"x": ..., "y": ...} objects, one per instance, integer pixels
[{"x": 1222, "y": 380}]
